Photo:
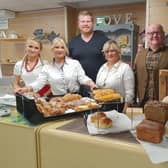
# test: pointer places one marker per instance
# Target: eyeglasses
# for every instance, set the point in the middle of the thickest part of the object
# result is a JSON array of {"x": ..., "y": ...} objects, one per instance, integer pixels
[
  {"x": 152, "y": 33},
  {"x": 111, "y": 51}
]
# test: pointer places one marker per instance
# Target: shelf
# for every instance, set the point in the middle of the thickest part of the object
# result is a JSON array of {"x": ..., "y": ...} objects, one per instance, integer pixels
[
  {"x": 11, "y": 50},
  {"x": 12, "y": 39},
  {"x": 7, "y": 63}
]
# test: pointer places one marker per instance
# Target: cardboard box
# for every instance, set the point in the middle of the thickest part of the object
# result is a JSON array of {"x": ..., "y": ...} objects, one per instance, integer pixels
[{"x": 163, "y": 83}]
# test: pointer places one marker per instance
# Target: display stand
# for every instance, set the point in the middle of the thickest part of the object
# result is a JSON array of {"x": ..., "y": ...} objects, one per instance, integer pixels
[{"x": 126, "y": 35}]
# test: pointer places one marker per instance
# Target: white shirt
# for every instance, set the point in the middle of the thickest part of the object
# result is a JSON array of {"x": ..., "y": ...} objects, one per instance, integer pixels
[
  {"x": 120, "y": 78},
  {"x": 62, "y": 79},
  {"x": 28, "y": 77}
]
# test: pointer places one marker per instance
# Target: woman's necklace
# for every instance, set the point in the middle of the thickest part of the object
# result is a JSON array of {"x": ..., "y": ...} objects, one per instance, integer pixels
[{"x": 27, "y": 67}]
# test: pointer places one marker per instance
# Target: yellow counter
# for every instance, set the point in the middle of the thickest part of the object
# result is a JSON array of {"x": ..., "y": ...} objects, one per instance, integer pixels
[
  {"x": 18, "y": 142},
  {"x": 47, "y": 146},
  {"x": 62, "y": 149}
]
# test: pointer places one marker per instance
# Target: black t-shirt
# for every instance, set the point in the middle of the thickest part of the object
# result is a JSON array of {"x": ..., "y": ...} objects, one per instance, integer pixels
[{"x": 89, "y": 54}]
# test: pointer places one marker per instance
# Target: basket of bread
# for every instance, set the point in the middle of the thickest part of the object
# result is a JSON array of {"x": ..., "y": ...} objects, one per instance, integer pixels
[{"x": 38, "y": 110}]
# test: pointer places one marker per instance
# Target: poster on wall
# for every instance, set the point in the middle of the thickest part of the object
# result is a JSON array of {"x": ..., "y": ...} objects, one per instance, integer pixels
[{"x": 3, "y": 23}]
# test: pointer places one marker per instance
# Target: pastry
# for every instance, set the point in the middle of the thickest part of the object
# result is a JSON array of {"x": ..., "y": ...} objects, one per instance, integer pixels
[
  {"x": 71, "y": 97},
  {"x": 58, "y": 105},
  {"x": 81, "y": 108},
  {"x": 104, "y": 95}
]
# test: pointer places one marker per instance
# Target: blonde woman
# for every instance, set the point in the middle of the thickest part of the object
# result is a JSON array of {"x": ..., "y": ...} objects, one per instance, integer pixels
[
  {"x": 27, "y": 70},
  {"x": 116, "y": 74},
  {"x": 63, "y": 74}
]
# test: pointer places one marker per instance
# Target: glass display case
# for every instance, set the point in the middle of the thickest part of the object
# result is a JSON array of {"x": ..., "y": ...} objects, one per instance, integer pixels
[{"x": 126, "y": 36}]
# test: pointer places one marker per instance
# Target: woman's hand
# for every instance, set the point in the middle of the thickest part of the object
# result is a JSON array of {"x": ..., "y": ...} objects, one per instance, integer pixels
[
  {"x": 23, "y": 90},
  {"x": 91, "y": 84}
]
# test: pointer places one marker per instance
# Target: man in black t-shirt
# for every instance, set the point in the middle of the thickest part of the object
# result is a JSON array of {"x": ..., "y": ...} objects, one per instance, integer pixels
[{"x": 87, "y": 46}]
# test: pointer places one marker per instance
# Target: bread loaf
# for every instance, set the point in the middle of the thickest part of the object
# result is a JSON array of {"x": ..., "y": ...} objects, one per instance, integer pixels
[
  {"x": 156, "y": 111},
  {"x": 150, "y": 131}
]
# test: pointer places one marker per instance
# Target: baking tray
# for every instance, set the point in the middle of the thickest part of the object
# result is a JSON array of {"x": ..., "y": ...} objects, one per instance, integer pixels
[
  {"x": 27, "y": 107},
  {"x": 108, "y": 105}
]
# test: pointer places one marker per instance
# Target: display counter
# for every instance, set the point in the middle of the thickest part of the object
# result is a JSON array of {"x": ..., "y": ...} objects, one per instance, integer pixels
[
  {"x": 66, "y": 143},
  {"x": 61, "y": 146},
  {"x": 18, "y": 142}
]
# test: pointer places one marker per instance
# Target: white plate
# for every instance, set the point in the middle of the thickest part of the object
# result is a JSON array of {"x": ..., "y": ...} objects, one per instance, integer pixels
[{"x": 120, "y": 123}]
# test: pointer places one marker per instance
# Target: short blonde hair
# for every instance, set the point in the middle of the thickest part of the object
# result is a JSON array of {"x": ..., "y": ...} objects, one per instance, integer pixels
[
  {"x": 111, "y": 43},
  {"x": 62, "y": 41},
  {"x": 85, "y": 13}
]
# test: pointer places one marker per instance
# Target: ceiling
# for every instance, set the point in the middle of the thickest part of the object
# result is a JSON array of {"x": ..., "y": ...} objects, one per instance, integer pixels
[{"x": 29, "y": 5}]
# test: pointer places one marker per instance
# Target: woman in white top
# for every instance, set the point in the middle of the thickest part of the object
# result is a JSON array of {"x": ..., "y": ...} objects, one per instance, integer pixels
[
  {"x": 63, "y": 74},
  {"x": 116, "y": 74},
  {"x": 27, "y": 70}
]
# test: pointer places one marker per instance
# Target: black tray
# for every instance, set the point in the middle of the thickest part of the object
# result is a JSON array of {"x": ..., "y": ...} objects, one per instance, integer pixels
[
  {"x": 116, "y": 104},
  {"x": 28, "y": 109}
]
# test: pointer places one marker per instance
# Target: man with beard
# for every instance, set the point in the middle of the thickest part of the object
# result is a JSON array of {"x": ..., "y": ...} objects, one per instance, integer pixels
[{"x": 87, "y": 46}]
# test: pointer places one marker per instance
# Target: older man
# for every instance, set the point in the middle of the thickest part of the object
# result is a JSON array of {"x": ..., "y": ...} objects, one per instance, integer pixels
[{"x": 148, "y": 62}]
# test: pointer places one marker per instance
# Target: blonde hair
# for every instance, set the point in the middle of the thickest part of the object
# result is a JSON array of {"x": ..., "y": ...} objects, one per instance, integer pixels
[
  {"x": 62, "y": 41},
  {"x": 41, "y": 47},
  {"x": 36, "y": 40},
  {"x": 85, "y": 13},
  {"x": 111, "y": 43}
]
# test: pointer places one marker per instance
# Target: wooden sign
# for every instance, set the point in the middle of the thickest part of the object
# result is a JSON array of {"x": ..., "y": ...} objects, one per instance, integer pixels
[{"x": 115, "y": 19}]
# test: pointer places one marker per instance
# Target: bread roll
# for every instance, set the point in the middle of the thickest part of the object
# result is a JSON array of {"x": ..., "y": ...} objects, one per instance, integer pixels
[
  {"x": 103, "y": 122},
  {"x": 97, "y": 116},
  {"x": 100, "y": 120}
]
